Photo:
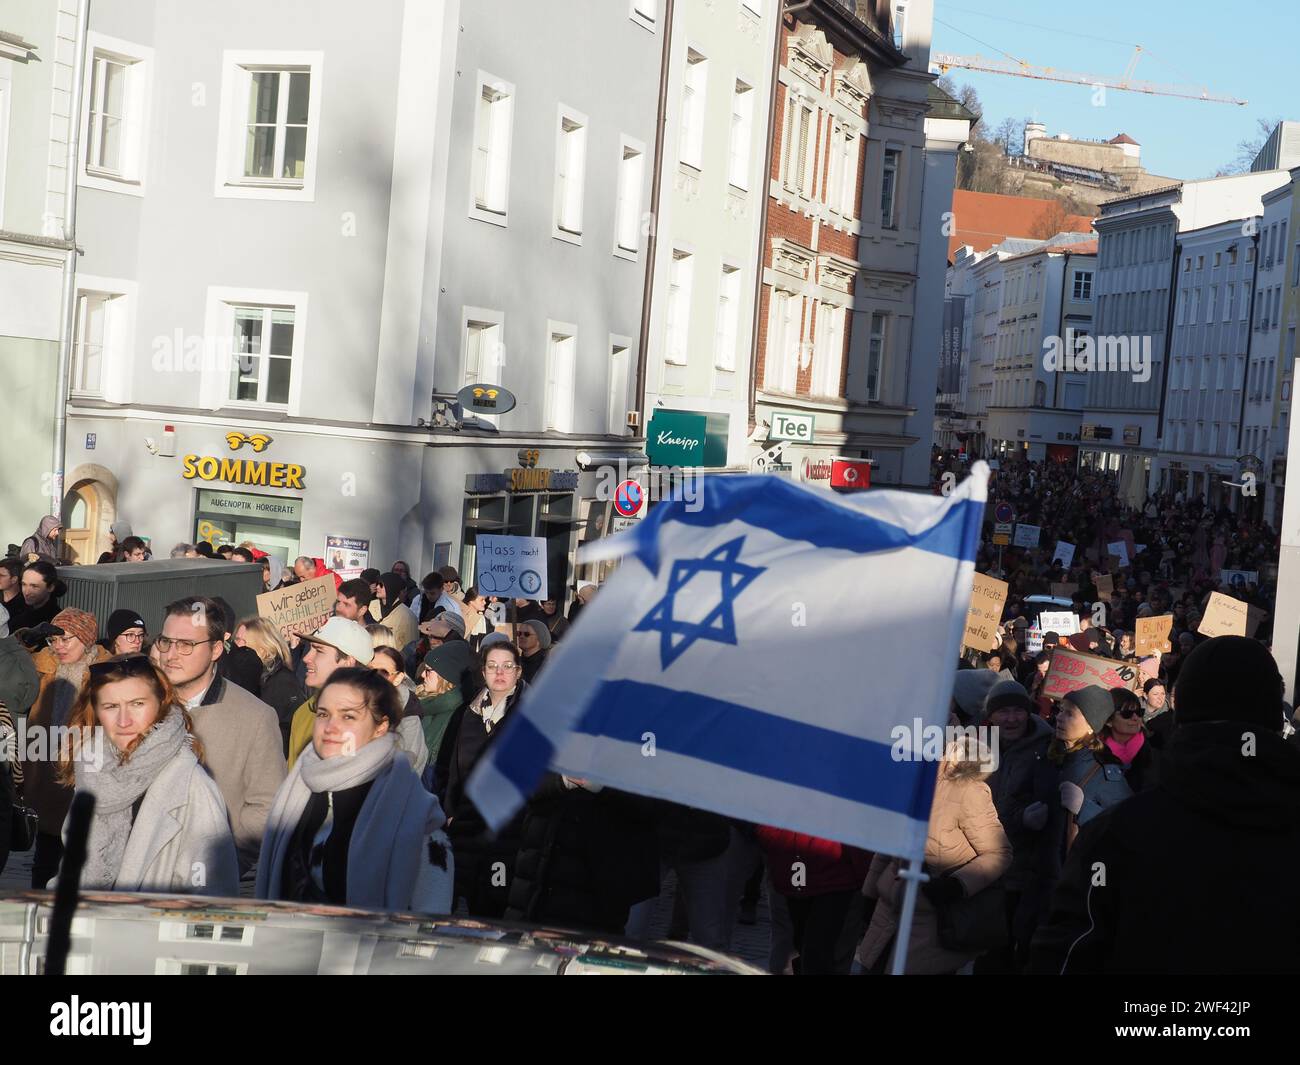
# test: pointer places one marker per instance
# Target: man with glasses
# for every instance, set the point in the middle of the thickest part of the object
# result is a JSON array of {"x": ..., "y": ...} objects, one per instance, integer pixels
[
  {"x": 240, "y": 733},
  {"x": 61, "y": 666}
]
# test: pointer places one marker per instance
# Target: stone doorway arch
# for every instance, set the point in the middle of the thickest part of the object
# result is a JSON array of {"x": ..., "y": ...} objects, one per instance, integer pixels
[{"x": 89, "y": 508}]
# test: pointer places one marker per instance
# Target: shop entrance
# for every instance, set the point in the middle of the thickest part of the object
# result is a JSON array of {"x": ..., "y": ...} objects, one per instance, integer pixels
[
  {"x": 546, "y": 514},
  {"x": 271, "y": 523},
  {"x": 85, "y": 510}
]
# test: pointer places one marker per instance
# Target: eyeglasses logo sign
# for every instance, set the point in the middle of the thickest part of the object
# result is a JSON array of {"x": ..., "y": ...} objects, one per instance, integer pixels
[{"x": 258, "y": 441}]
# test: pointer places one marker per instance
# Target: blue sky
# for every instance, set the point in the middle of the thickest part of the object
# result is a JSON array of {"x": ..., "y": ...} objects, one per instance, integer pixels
[{"x": 1248, "y": 55}]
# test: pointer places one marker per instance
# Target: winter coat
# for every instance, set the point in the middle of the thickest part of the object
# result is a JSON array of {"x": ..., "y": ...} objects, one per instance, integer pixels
[
  {"x": 41, "y": 788},
  {"x": 584, "y": 858},
  {"x": 300, "y": 729},
  {"x": 283, "y": 692},
  {"x": 180, "y": 841},
  {"x": 1158, "y": 911},
  {"x": 802, "y": 866},
  {"x": 438, "y": 711},
  {"x": 19, "y": 682},
  {"x": 965, "y": 839},
  {"x": 476, "y": 848},
  {"x": 1018, "y": 783},
  {"x": 40, "y": 543},
  {"x": 241, "y": 745}
]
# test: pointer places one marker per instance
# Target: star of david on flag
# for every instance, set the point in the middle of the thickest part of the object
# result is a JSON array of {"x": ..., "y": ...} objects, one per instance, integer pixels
[
  {"x": 719, "y": 623},
  {"x": 755, "y": 655}
]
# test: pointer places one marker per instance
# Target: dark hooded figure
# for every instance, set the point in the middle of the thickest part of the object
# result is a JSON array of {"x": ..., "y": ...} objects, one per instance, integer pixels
[
  {"x": 1229, "y": 795},
  {"x": 42, "y": 542}
]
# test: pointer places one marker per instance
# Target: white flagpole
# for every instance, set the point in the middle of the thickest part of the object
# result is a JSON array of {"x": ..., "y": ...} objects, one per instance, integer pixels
[{"x": 913, "y": 877}]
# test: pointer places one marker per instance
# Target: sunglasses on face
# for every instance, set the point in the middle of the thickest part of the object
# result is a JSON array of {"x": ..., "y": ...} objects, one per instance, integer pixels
[
  {"x": 130, "y": 665},
  {"x": 1129, "y": 714}
]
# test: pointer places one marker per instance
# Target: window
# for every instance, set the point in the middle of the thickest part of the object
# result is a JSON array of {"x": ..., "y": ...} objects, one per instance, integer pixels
[
  {"x": 875, "y": 355},
  {"x": 270, "y": 125},
  {"x": 900, "y": 25},
  {"x": 561, "y": 377},
  {"x": 88, "y": 350},
  {"x": 742, "y": 121},
  {"x": 680, "y": 276},
  {"x": 1200, "y": 262},
  {"x": 1295, "y": 266},
  {"x": 570, "y": 167},
  {"x": 493, "y": 123},
  {"x": 1227, "y": 301},
  {"x": 1083, "y": 285},
  {"x": 1244, "y": 306},
  {"x": 828, "y": 357},
  {"x": 1232, "y": 255},
  {"x": 261, "y": 351},
  {"x": 1268, "y": 381},
  {"x": 1212, "y": 304},
  {"x": 797, "y": 150},
  {"x": 645, "y": 12},
  {"x": 1187, "y": 264},
  {"x": 116, "y": 106},
  {"x": 482, "y": 349},
  {"x": 619, "y": 368},
  {"x": 724, "y": 353},
  {"x": 783, "y": 336},
  {"x": 1289, "y": 364},
  {"x": 888, "y": 188},
  {"x": 631, "y": 168},
  {"x": 262, "y": 344},
  {"x": 842, "y": 189},
  {"x": 101, "y": 337},
  {"x": 690, "y": 145},
  {"x": 1218, "y": 257}
]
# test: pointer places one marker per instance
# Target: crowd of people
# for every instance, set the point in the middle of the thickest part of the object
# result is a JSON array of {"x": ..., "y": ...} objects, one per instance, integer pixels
[{"x": 331, "y": 767}]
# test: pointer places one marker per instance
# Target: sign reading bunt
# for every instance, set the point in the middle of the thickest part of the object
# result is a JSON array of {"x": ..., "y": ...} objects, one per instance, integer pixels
[
  {"x": 988, "y": 597},
  {"x": 1226, "y": 616},
  {"x": 687, "y": 438},
  {"x": 300, "y": 609},
  {"x": 1071, "y": 670},
  {"x": 1153, "y": 634},
  {"x": 521, "y": 480},
  {"x": 512, "y": 567},
  {"x": 243, "y": 471}
]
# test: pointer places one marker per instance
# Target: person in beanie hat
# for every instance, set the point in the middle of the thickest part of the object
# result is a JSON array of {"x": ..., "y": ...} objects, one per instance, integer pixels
[
  {"x": 1021, "y": 792},
  {"x": 61, "y": 667},
  {"x": 125, "y": 633},
  {"x": 1230, "y": 792},
  {"x": 535, "y": 644},
  {"x": 969, "y": 689}
]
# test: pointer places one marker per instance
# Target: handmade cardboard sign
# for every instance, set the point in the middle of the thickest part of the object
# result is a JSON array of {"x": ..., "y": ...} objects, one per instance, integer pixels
[
  {"x": 1153, "y": 634},
  {"x": 300, "y": 609},
  {"x": 988, "y": 597},
  {"x": 1071, "y": 670}
]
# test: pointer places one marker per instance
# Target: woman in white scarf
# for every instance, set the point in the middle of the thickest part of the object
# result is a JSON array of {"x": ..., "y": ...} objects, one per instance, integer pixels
[
  {"x": 351, "y": 824},
  {"x": 159, "y": 822}
]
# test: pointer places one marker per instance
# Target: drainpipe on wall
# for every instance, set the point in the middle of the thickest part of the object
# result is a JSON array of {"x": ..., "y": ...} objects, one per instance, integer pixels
[
  {"x": 68, "y": 302},
  {"x": 643, "y": 356},
  {"x": 766, "y": 186}
]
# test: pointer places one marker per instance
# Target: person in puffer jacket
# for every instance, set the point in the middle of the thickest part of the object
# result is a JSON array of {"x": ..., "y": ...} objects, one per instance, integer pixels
[{"x": 820, "y": 882}]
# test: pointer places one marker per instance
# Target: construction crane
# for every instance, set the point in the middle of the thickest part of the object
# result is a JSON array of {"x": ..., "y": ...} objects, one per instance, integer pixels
[{"x": 1021, "y": 69}]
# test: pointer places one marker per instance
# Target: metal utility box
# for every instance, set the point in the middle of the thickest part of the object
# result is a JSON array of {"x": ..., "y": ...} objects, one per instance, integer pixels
[{"x": 147, "y": 587}]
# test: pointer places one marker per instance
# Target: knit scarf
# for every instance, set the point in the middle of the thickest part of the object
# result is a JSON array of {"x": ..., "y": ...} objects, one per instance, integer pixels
[
  {"x": 116, "y": 785},
  {"x": 1126, "y": 750},
  {"x": 387, "y": 842},
  {"x": 66, "y": 685}
]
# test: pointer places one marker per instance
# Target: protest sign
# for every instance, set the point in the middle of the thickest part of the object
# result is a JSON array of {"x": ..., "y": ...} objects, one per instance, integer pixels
[
  {"x": 1226, "y": 616},
  {"x": 1238, "y": 578},
  {"x": 1120, "y": 550},
  {"x": 1071, "y": 670},
  {"x": 1064, "y": 590},
  {"x": 1061, "y": 622},
  {"x": 511, "y": 566},
  {"x": 1065, "y": 552},
  {"x": 1127, "y": 536},
  {"x": 988, "y": 596},
  {"x": 300, "y": 609},
  {"x": 1026, "y": 536},
  {"x": 1153, "y": 634},
  {"x": 1105, "y": 584}
]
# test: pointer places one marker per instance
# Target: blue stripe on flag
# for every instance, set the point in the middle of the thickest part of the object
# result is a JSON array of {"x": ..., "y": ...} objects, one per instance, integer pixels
[
  {"x": 798, "y": 514},
  {"x": 521, "y": 754},
  {"x": 762, "y": 744}
]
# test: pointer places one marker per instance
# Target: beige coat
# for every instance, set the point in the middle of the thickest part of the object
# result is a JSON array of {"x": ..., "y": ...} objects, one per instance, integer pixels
[
  {"x": 243, "y": 752},
  {"x": 965, "y": 835}
]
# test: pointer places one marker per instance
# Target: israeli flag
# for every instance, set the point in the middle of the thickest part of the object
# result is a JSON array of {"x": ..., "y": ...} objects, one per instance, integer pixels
[{"x": 753, "y": 657}]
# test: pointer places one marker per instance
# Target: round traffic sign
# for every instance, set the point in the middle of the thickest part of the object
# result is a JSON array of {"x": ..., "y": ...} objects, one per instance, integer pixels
[
  {"x": 1004, "y": 513},
  {"x": 628, "y": 498}
]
